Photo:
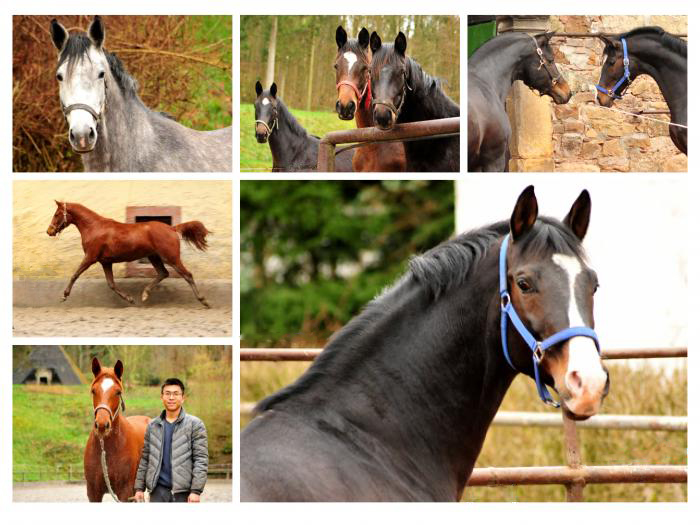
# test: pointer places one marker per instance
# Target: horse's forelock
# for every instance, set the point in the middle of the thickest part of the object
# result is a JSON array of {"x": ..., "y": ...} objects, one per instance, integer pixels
[{"x": 386, "y": 55}]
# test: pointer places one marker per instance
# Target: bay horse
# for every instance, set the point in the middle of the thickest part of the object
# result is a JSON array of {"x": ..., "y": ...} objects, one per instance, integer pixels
[
  {"x": 107, "y": 241},
  {"x": 353, "y": 84},
  {"x": 654, "y": 52},
  {"x": 397, "y": 406},
  {"x": 292, "y": 147},
  {"x": 493, "y": 68},
  {"x": 108, "y": 124},
  {"x": 121, "y": 437},
  {"x": 403, "y": 92}
]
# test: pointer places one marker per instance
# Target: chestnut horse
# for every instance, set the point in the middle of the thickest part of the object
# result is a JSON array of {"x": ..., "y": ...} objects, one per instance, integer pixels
[
  {"x": 120, "y": 437},
  {"x": 107, "y": 241},
  {"x": 355, "y": 100}
]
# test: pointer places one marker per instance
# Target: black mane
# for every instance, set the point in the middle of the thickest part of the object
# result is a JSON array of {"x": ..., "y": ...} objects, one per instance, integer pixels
[
  {"x": 436, "y": 271},
  {"x": 76, "y": 49},
  {"x": 672, "y": 42},
  {"x": 284, "y": 114}
]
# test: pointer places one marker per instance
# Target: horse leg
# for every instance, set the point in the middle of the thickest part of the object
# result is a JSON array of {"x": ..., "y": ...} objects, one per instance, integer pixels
[
  {"x": 188, "y": 277},
  {"x": 107, "y": 267},
  {"x": 157, "y": 263},
  {"x": 84, "y": 265},
  {"x": 95, "y": 492}
]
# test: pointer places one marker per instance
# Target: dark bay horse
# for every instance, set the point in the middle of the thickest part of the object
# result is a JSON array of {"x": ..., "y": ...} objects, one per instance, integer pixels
[
  {"x": 398, "y": 404},
  {"x": 122, "y": 437},
  {"x": 353, "y": 84},
  {"x": 111, "y": 128},
  {"x": 292, "y": 147},
  {"x": 403, "y": 92},
  {"x": 492, "y": 70},
  {"x": 107, "y": 241},
  {"x": 654, "y": 52}
]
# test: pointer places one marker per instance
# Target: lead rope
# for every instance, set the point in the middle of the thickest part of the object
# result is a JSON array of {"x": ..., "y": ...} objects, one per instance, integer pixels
[{"x": 105, "y": 473}]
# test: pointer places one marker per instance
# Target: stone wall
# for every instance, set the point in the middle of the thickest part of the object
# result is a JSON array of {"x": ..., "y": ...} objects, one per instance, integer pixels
[{"x": 587, "y": 137}]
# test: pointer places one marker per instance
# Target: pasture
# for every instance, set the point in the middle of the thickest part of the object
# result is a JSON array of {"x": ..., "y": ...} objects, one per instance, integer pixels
[{"x": 634, "y": 390}]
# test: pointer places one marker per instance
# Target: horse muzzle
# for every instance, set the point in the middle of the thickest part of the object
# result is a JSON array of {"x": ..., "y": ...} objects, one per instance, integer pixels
[
  {"x": 51, "y": 231},
  {"x": 560, "y": 92},
  {"x": 384, "y": 118},
  {"x": 347, "y": 111},
  {"x": 83, "y": 139}
]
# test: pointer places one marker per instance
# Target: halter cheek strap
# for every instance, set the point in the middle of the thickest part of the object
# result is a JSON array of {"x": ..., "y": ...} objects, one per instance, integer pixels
[
  {"x": 543, "y": 62},
  {"x": 112, "y": 415},
  {"x": 538, "y": 348},
  {"x": 625, "y": 77}
]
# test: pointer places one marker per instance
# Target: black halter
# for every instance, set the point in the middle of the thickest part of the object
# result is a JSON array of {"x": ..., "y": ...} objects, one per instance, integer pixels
[
  {"x": 394, "y": 109},
  {"x": 543, "y": 62}
]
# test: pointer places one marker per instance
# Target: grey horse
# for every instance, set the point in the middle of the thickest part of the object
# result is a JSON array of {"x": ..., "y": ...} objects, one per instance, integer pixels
[{"x": 109, "y": 125}]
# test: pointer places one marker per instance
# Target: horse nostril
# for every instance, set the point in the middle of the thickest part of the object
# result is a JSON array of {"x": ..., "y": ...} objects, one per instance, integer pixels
[
  {"x": 573, "y": 381},
  {"x": 351, "y": 107},
  {"x": 70, "y": 134},
  {"x": 92, "y": 133},
  {"x": 337, "y": 106}
]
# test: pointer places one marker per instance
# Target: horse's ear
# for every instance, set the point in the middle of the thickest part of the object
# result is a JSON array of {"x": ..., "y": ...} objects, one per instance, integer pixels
[
  {"x": 579, "y": 216},
  {"x": 273, "y": 90},
  {"x": 524, "y": 214},
  {"x": 400, "y": 44},
  {"x": 57, "y": 202},
  {"x": 59, "y": 35},
  {"x": 375, "y": 42},
  {"x": 363, "y": 38},
  {"x": 341, "y": 37},
  {"x": 96, "y": 32},
  {"x": 118, "y": 369},
  {"x": 258, "y": 88},
  {"x": 96, "y": 366}
]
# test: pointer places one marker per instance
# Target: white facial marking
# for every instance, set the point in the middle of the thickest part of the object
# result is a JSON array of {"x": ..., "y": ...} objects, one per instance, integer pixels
[
  {"x": 350, "y": 58},
  {"x": 265, "y": 101},
  {"x": 81, "y": 85},
  {"x": 583, "y": 355},
  {"x": 106, "y": 384}
]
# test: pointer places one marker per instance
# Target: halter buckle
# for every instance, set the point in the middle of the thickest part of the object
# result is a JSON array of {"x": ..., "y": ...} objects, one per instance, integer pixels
[
  {"x": 538, "y": 352},
  {"x": 505, "y": 301}
]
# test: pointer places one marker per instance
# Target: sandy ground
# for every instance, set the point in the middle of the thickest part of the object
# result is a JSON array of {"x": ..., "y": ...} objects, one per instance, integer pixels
[
  {"x": 157, "y": 321},
  {"x": 215, "y": 491}
]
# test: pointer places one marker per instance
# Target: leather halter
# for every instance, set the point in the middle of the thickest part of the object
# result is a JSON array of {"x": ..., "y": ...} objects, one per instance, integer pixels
[
  {"x": 625, "y": 77},
  {"x": 112, "y": 415},
  {"x": 269, "y": 128},
  {"x": 545, "y": 63},
  {"x": 67, "y": 109},
  {"x": 64, "y": 224},
  {"x": 538, "y": 348},
  {"x": 367, "y": 91},
  {"x": 394, "y": 109}
]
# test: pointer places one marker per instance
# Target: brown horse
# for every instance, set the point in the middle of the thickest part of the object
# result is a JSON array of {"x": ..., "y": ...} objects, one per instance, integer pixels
[
  {"x": 355, "y": 99},
  {"x": 121, "y": 436},
  {"x": 107, "y": 241}
]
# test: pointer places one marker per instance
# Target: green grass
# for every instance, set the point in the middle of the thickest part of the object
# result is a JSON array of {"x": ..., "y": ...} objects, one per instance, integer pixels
[
  {"x": 51, "y": 424},
  {"x": 633, "y": 391},
  {"x": 257, "y": 157}
]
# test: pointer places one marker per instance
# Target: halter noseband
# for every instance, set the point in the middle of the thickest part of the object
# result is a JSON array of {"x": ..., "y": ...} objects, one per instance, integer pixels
[
  {"x": 269, "y": 128},
  {"x": 538, "y": 348},
  {"x": 543, "y": 62},
  {"x": 625, "y": 77},
  {"x": 112, "y": 415},
  {"x": 367, "y": 91},
  {"x": 67, "y": 109}
]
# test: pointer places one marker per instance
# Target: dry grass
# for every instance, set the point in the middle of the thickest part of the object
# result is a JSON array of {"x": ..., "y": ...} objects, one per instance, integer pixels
[{"x": 633, "y": 391}]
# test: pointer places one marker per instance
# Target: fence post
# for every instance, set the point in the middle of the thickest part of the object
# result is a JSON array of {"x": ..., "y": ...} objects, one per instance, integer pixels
[
  {"x": 574, "y": 490},
  {"x": 326, "y": 156}
]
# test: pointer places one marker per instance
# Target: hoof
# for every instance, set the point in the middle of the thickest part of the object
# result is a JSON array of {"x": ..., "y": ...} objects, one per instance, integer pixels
[
  {"x": 64, "y": 298},
  {"x": 204, "y": 302},
  {"x": 130, "y": 299},
  {"x": 144, "y": 296}
]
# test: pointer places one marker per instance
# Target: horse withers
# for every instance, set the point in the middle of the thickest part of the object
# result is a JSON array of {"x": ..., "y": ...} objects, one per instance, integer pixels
[
  {"x": 651, "y": 51},
  {"x": 108, "y": 124},
  {"x": 353, "y": 84},
  {"x": 398, "y": 404},
  {"x": 107, "y": 241},
  {"x": 116, "y": 437},
  {"x": 492, "y": 70}
]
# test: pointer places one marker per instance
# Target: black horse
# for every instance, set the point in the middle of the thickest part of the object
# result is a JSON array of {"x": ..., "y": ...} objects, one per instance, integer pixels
[
  {"x": 403, "y": 92},
  {"x": 492, "y": 70},
  {"x": 398, "y": 404},
  {"x": 292, "y": 147},
  {"x": 654, "y": 52}
]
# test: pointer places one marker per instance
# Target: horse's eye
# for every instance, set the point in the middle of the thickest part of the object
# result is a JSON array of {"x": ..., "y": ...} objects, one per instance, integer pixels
[
  {"x": 59, "y": 77},
  {"x": 335, "y": 66},
  {"x": 524, "y": 285},
  {"x": 596, "y": 288},
  {"x": 101, "y": 74}
]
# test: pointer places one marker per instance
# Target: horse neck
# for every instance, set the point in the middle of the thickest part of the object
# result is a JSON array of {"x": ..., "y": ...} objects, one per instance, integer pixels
[
  {"x": 363, "y": 116},
  {"x": 501, "y": 65},
  {"x": 116, "y": 439},
  {"x": 425, "y": 101},
  {"x": 669, "y": 70},
  {"x": 83, "y": 217},
  {"x": 289, "y": 141},
  {"x": 424, "y": 378}
]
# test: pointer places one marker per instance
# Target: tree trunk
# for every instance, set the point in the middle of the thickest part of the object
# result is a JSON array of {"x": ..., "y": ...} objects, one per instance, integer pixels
[
  {"x": 271, "y": 48},
  {"x": 310, "y": 82}
]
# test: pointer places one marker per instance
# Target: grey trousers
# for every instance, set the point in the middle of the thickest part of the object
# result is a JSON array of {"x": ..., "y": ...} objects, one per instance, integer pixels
[{"x": 162, "y": 494}]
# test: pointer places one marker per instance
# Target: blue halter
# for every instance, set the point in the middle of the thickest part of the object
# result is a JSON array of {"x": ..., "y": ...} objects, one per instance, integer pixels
[
  {"x": 538, "y": 347},
  {"x": 625, "y": 77}
]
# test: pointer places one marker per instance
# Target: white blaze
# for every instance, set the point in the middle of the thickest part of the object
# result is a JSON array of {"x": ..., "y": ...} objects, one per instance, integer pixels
[
  {"x": 265, "y": 101},
  {"x": 351, "y": 58},
  {"x": 106, "y": 384},
  {"x": 583, "y": 355}
]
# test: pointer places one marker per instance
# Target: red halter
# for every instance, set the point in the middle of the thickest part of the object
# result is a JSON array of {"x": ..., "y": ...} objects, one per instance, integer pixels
[{"x": 367, "y": 91}]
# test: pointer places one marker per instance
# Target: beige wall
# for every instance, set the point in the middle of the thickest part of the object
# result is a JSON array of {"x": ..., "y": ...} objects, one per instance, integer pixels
[{"x": 36, "y": 255}]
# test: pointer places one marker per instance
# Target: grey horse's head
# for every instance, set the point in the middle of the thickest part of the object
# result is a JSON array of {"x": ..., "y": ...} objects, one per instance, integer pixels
[{"x": 82, "y": 73}]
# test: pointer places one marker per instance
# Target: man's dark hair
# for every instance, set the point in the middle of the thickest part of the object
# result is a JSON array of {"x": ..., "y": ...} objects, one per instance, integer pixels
[{"x": 173, "y": 381}]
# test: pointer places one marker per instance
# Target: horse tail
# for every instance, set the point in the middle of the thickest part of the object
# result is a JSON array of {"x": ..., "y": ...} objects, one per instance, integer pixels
[{"x": 194, "y": 233}]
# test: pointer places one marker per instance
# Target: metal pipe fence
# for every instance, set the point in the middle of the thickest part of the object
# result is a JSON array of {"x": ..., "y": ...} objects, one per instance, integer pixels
[
  {"x": 423, "y": 130},
  {"x": 575, "y": 475}
]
